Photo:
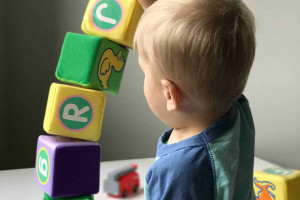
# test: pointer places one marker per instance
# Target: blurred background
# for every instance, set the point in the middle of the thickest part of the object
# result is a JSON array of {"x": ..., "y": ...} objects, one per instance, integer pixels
[{"x": 31, "y": 37}]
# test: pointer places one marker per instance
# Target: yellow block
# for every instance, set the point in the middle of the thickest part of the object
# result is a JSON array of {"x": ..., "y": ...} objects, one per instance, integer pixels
[
  {"x": 277, "y": 184},
  {"x": 74, "y": 112},
  {"x": 114, "y": 19}
]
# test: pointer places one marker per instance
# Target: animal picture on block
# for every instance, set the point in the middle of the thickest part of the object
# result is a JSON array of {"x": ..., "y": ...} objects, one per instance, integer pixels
[
  {"x": 67, "y": 167},
  {"x": 74, "y": 112},
  {"x": 92, "y": 62},
  {"x": 114, "y": 19},
  {"x": 277, "y": 184}
]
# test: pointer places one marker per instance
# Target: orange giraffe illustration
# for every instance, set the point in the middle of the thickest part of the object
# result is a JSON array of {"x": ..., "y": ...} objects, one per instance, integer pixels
[
  {"x": 264, "y": 193},
  {"x": 108, "y": 61}
]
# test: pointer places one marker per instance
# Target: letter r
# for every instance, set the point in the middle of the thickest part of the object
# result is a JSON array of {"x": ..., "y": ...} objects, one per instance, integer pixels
[{"x": 77, "y": 113}]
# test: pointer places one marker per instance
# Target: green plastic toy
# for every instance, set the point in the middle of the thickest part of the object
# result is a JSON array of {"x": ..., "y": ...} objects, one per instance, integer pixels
[
  {"x": 92, "y": 62},
  {"x": 85, "y": 197}
]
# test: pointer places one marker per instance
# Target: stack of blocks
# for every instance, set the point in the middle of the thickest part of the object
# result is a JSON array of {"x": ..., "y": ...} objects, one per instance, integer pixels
[{"x": 68, "y": 163}]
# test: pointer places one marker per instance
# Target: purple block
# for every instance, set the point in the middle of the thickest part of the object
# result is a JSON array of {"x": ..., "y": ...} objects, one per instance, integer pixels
[{"x": 67, "y": 167}]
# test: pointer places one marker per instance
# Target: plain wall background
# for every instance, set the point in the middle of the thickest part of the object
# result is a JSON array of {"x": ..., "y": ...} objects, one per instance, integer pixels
[
  {"x": 274, "y": 84},
  {"x": 31, "y": 36}
]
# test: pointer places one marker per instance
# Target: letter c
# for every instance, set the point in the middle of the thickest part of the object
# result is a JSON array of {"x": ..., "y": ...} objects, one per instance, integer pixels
[{"x": 103, "y": 18}]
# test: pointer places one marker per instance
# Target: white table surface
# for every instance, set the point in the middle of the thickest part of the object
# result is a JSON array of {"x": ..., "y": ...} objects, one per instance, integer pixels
[{"x": 20, "y": 185}]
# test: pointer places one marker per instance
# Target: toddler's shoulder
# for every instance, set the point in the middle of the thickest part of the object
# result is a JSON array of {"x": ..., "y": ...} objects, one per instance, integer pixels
[
  {"x": 242, "y": 99},
  {"x": 182, "y": 174},
  {"x": 192, "y": 159}
]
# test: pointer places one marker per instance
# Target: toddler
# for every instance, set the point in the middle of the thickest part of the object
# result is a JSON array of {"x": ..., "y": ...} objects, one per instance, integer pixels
[{"x": 196, "y": 56}]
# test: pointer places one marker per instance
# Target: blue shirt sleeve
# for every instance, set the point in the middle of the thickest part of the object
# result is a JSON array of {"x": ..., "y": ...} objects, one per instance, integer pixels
[{"x": 183, "y": 174}]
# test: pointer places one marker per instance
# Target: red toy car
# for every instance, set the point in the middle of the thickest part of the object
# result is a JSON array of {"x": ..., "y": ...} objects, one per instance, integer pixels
[{"x": 122, "y": 181}]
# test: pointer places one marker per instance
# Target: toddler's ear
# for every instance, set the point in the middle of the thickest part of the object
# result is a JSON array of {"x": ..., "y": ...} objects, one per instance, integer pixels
[{"x": 172, "y": 94}]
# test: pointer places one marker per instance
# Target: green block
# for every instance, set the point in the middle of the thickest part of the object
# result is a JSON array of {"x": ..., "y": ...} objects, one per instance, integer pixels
[
  {"x": 92, "y": 62},
  {"x": 85, "y": 197}
]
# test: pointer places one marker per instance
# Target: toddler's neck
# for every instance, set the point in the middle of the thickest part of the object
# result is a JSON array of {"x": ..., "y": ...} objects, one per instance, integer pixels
[{"x": 190, "y": 128}]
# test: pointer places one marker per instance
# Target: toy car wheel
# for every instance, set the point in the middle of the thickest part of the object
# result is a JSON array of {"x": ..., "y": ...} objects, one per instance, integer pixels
[
  {"x": 124, "y": 193},
  {"x": 135, "y": 189}
]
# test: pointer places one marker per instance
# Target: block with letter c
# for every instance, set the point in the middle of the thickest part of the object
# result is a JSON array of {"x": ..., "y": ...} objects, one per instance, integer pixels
[{"x": 114, "y": 19}]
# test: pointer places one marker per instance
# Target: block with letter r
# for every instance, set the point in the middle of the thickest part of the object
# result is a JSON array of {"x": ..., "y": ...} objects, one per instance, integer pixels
[
  {"x": 67, "y": 167},
  {"x": 92, "y": 62},
  {"x": 114, "y": 19},
  {"x": 74, "y": 112}
]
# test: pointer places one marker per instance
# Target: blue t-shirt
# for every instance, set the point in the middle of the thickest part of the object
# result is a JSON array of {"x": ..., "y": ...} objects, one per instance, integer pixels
[{"x": 216, "y": 164}]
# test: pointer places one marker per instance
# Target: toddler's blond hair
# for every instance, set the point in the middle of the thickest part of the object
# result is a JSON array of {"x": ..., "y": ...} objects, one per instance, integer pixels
[{"x": 201, "y": 45}]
